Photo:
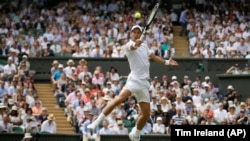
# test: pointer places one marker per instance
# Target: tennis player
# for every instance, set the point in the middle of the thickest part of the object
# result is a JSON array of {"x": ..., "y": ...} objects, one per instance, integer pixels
[{"x": 137, "y": 84}]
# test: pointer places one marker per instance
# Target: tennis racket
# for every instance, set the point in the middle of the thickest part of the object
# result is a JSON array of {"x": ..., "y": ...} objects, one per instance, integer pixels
[{"x": 150, "y": 20}]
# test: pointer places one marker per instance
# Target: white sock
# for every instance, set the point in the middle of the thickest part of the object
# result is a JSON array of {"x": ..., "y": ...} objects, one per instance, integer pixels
[
  {"x": 100, "y": 118},
  {"x": 137, "y": 132}
]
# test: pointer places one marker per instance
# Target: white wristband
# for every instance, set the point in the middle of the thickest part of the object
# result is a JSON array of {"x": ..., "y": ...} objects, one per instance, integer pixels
[
  {"x": 133, "y": 46},
  {"x": 166, "y": 62}
]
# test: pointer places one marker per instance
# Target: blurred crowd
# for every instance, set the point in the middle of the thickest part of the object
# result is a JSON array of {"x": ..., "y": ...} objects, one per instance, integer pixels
[
  {"x": 79, "y": 28},
  {"x": 218, "y": 29},
  {"x": 21, "y": 110}
]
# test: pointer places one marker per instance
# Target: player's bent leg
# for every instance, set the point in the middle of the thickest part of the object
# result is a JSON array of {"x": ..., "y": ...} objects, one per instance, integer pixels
[
  {"x": 144, "y": 115},
  {"x": 141, "y": 121},
  {"x": 124, "y": 94}
]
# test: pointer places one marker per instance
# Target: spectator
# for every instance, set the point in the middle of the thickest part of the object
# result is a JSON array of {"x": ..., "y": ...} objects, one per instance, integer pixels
[
  {"x": 49, "y": 125},
  {"x": 3, "y": 110},
  {"x": 246, "y": 69},
  {"x": 158, "y": 127},
  {"x": 81, "y": 66},
  {"x": 43, "y": 116},
  {"x": 231, "y": 114},
  {"x": 179, "y": 117},
  {"x": 27, "y": 137},
  {"x": 220, "y": 114},
  {"x": 97, "y": 79},
  {"x": 106, "y": 129},
  {"x": 6, "y": 125},
  {"x": 26, "y": 116},
  {"x": 37, "y": 109},
  {"x": 121, "y": 130},
  {"x": 192, "y": 118},
  {"x": 15, "y": 117},
  {"x": 86, "y": 132},
  {"x": 234, "y": 70},
  {"x": 32, "y": 125},
  {"x": 183, "y": 21}
]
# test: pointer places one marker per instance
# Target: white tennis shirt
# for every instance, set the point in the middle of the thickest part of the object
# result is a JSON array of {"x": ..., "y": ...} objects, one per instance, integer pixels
[{"x": 138, "y": 60}]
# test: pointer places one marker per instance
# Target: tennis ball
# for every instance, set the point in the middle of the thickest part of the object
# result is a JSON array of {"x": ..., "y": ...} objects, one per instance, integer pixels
[{"x": 137, "y": 15}]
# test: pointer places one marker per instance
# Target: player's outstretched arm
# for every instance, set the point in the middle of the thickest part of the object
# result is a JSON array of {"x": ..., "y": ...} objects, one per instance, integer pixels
[{"x": 160, "y": 60}]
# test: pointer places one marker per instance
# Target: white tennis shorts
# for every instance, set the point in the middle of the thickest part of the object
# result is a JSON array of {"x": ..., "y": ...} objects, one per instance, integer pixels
[{"x": 139, "y": 88}]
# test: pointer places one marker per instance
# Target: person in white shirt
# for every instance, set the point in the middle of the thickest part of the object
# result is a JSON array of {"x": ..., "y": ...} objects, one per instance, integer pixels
[
  {"x": 121, "y": 130},
  {"x": 192, "y": 119},
  {"x": 49, "y": 125},
  {"x": 137, "y": 84},
  {"x": 153, "y": 103},
  {"x": 114, "y": 75},
  {"x": 180, "y": 104},
  {"x": 158, "y": 127},
  {"x": 105, "y": 130},
  {"x": 56, "y": 47},
  {"x": 32, "y": 125},
  {"x": 196, "y": 96},
  {"x": 220, "y": 114},
  {"x": 68, "y": 68},
  {"x": 9, "y": 67},
  {"x": 118, "y": 53}
]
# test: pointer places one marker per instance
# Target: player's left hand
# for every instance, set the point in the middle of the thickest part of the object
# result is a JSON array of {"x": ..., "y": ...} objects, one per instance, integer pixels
[{"x": 172, "y": 62}]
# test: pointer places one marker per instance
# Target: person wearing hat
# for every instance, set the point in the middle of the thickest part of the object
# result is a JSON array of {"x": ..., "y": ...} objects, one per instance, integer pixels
[
  {"x": 56, "y": 76},
  {"x": 137, "y": 84},
  {"x": 234, "y": 70},
  {"x": 31, "y": 125},
  {"x": 165, "y": 104},
  {"x": 49, "y": 125},
  {"x": 206, "y": 81},
  {"x": 242, "y": 118},
  {"x": 158, "y": 127},
  {"x": 86, "y": 51},
  {"x": 229, "y": 94},
  {"x": 27, "y": 137},
  {"x": 68, "y": 68},
  {"x": 13, "y": 55},
  {"x": 25, "y": 62},
  {"x": 81, "y": 66},
  {"x": 97, "y": 78},
  {"x": 54, "y": 67},
  {"x": 189, "y": 106},
  {"x": 231, "y": 114},
  {"x": 15, "y": 117}
]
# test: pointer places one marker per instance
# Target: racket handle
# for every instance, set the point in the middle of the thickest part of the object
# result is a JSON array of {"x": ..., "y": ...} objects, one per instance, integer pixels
[{"x": 142, "y": 35}]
